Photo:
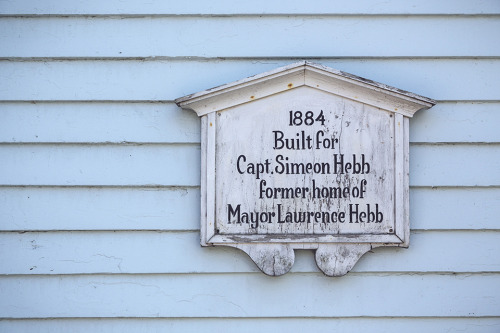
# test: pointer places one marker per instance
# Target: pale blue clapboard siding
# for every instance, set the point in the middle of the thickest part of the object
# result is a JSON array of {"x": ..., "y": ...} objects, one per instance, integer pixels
[
  {"x": 82, "y": 162},
  {"x": 177, "y": 208},
  {"x": 100, "y": 165},
  {"x": 250, "y": 295},
  {"x": 452, "y": 208},
  {"x": 99, "y": 122},
  {"x": 454, "y": 165},
  {"x": 154, "y": 80},
  {"x": 166, "y": 123},
  {"x": 148, "y": 252},
  {"x": 292, "y": 36},
  {"x": 277, "y": 325},
  {"x": 178, "y": 165},
  {"x": 231, "y": 7},
  {"x": 457, "y": 122},
  {"x": 109, "y": 208}
]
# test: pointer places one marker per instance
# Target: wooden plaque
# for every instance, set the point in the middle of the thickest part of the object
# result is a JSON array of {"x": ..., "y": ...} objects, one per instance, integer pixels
[{"x": 305, "y": 157}]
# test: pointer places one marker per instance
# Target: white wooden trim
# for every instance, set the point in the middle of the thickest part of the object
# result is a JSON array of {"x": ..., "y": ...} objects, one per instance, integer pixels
[
  {"x": 303, "y": 239},
  {"x": 203, "y": 184},
  {"x": 374, "y": 95},
  {"x": 210, "y": 156},
  {"x": 399, "y": 178},
  {"x": 406, "y": 179},
  {"x": 310, "y": 74}
]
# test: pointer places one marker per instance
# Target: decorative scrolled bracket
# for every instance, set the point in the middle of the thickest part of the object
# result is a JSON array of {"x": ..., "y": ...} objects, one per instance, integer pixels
[
  {"x": 272, "y": 259},
  {"x": 278, "y": 259},
  {"x": 339, "y": 259}
]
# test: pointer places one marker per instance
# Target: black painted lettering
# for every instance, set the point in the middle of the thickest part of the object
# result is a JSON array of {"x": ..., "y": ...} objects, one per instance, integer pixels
[
  {"x": 278, "y": 140},
  {"x": 338, "y": 163},
  {"x": 241, "y": 157},
  {"x": 232, "y": 213}
]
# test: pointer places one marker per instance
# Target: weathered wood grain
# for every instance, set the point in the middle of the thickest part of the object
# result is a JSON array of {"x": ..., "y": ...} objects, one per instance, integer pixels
[
  {"x": 154, "y": 80},
  {"x": 248, "y": 295},
  {"x": 227, "y": 7},
  {"x": 249, "y": 130},
  {"x": 291, "y": 36}
]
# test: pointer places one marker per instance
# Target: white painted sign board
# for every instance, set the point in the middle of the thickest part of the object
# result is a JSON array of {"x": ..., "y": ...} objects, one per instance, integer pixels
[{"x": 305, "y": 157}]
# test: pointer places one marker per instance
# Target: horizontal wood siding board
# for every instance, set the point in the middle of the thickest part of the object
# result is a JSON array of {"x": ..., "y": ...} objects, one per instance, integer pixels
[
  {"x": 119, "y": 122},
  {"x": 454, "y": 208},
  {"x": 178, "y": 165},
  {"x": 290, "y": 36},
  {"x": 98, "y": 123},
  {"x": 249, "y": 295},
  {"x": 260, "y": 7},
  {"x": 165, "y": 253},
  {"x": 448, "y": 165},
  {"x": 457, "y": 122},
  {"x": 243, "y": 325},
  {"x": 100, "y": 165},
  {"x": 76, "y": 208},
  {"x": 175, "y": 209},
  {"x": 165, "y": 80}
]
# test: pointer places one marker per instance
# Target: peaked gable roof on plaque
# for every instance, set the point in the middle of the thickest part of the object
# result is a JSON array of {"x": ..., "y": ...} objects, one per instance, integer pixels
[
  {"x": 305, "y": 157},
  {"x": 305, "y": 73}
]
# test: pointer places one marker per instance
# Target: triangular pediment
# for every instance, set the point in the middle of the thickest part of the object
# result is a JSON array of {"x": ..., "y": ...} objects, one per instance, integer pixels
[{"x": 301, "y": 74}]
